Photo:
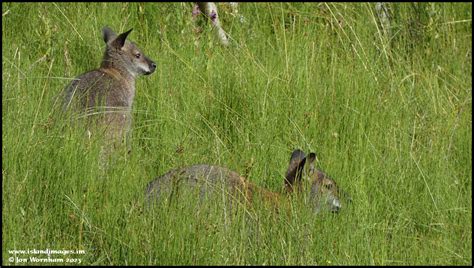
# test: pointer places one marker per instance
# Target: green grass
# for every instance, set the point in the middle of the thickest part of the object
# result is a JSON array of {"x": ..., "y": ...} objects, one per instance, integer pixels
[{"x": 389, "y": 116}]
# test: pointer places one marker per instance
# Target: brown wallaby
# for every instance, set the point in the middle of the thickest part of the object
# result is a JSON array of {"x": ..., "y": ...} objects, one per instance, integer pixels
[
  {"x": 108, "y": 92},
  {"x": 323, "y": 192}
]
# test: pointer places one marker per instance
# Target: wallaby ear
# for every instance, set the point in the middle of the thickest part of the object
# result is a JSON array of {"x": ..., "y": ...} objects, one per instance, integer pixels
[
  {"x": 108, "y": 34},
  {"x": 120, "y": 40},
  {"x": 294, "y": 171},
  {"x": 311, "y": 159}
]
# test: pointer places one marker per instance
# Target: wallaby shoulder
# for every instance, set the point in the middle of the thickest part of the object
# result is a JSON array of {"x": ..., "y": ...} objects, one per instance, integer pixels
[{"x": 102, "y": 85}]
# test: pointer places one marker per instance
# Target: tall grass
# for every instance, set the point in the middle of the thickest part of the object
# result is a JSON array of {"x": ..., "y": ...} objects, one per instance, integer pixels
[{"x": 389, "y": 116}]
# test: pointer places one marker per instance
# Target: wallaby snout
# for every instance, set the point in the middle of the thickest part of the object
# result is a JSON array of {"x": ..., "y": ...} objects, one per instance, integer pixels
[{"x": 152, "y": 67}]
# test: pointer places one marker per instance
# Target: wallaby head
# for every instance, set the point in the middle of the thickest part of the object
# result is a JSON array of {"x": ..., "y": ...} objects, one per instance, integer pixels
[
  {"x": 323, "y": 191},
  {"x": 125, "y": 55}
]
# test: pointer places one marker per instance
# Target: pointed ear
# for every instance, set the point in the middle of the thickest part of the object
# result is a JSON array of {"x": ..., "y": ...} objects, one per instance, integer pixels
[
  {"x": 120, "y": 40},
  {"x": 310, "y": 161},
  {"x": 108, "y": 34},
  {"x": 294, "y": 171}
]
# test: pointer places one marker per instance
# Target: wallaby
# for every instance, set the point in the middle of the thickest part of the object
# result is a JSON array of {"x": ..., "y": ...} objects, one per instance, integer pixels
[
  {"x": 108, "y": 92},
  {"x": 323, "y": 191}
]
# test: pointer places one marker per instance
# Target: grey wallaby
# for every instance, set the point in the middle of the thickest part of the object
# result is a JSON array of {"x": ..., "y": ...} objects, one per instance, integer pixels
[
  {"x": 322, "y": 190},
  {"x": 107, "y": 93}
]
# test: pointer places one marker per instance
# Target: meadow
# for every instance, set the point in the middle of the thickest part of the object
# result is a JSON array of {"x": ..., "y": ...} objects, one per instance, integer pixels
[{"x": 388, "y": 113}]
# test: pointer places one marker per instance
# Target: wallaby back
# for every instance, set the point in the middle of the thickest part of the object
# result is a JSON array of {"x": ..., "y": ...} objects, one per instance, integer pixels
[{"x": 206, "y": 180}]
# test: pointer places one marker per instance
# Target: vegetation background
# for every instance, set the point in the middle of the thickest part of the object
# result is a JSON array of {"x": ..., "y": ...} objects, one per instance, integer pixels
[{"x": 388, "y": 112}]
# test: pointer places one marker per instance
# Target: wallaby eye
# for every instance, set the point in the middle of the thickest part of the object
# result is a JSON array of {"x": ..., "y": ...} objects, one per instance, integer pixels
[{"x": 137, "y": 55}]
